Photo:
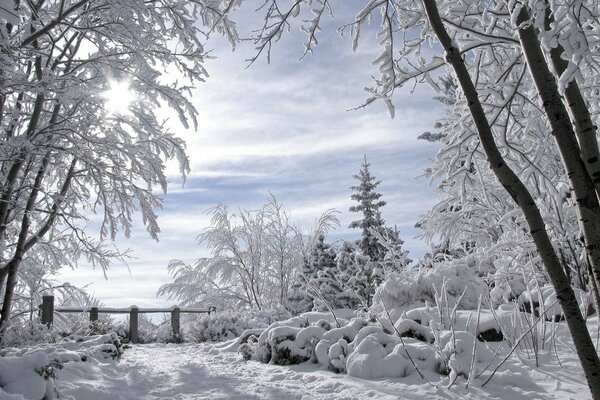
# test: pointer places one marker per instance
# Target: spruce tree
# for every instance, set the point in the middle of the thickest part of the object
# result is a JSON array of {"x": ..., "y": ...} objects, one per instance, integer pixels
[
  {"x": 298, "y": 301},
  {"x": 369, "y": 204},
  {"x": 379, "y": 250},
  {"x": 320, "y": 275}
]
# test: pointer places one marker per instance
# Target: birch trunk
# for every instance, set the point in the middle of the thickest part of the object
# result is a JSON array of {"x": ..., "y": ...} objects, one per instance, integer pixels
[
  {"x": 518, "y": 191},
  {"x": 587, "y": 206}
]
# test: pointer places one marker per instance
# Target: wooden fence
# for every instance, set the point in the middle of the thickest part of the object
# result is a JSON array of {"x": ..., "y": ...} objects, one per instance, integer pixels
[{"x": 48, "y": 310}]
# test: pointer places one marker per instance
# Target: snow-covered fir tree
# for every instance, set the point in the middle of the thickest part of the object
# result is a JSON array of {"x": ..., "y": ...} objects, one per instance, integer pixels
[
  {"x": 320, "y": 275},
  {"x": 364, "y": 265},
  {"x": 369, "y": 204},
  {"x": 359, "y": 276},
  {"x": 298, "y": 301},
  {"x": 347, "y": 271}
]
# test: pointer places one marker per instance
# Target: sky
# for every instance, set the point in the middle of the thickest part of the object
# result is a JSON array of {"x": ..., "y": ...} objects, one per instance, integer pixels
[{"x": 284, "y": 128}]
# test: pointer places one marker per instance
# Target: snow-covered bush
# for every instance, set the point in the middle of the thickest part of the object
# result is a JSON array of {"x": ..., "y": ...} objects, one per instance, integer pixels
[
  {"x": 416, "y": 287},
  {"x": 460, "y": 354},
  {"x": 29, "y": 373},
  {"x": 30, "y": 376},
  {"x": 27, "y": 334},
  {"x": 431, "y": 340},
  {"x": 293, "y": 341},
  {"x": 74, "y": 348},
  {"x": 374, "y": 357},
  {"x": 227, "y": 325},
  {"x": 542, "y": 300}
]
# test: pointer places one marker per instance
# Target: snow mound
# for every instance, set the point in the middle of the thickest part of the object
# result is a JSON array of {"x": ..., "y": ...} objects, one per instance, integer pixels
[
  {"x": 29, "y": 373},
  {"x": 457, "y": 280},
  {"x": 363, "y": 349},
  {"x": 27, "y": 377},
  {"x": 372, "y": 359}
]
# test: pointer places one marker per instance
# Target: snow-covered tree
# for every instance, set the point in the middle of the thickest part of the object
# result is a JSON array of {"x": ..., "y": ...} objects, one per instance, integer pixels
[
  {"x": 521, "y": 67},
  {"x": 255, "y": 256},
  {"x": 359, "y": 277},
  {"x": 369, "y": 205},
  {"x": 67, "y": 152},
  {"x": 298, "y": 300},
  {"x": 321, "y": 275},
  {"x": 378, "y": 251}
]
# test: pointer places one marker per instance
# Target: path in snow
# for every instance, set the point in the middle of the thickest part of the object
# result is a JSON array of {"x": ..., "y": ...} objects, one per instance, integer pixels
[
  {"x": 201, "y": 371},
  {"x": 192, "y": 371}
]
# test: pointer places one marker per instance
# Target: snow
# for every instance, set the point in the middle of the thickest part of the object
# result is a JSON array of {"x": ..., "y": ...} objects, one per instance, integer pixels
[
  {"x": 377, "y": 368},
  {"x": 208, "y": 371},
  {"x": 18, "y": 375},
  {"x": 371, "y": 360}
]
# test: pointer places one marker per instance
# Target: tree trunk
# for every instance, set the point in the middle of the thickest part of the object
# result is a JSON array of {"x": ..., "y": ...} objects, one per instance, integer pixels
[
  {"x": 587, "y": 206},
  {"x": 24, "y": 244},
  {"x": 585, "y": 131},
  {"x": 518, "y": 191},
  {"x": 15, "y": 262}
]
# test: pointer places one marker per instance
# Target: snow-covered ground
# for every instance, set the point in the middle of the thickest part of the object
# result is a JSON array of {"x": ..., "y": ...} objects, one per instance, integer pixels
[{"x": 205, "y": 371}]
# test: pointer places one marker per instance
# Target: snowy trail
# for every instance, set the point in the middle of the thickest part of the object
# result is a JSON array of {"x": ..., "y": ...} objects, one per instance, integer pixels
[
  {"x": 201, "y": 371},
  {"x": 189, "y": 371}
]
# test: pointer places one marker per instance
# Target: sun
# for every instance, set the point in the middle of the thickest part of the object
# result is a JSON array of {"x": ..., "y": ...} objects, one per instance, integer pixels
[{"x": 119, "y": 97}]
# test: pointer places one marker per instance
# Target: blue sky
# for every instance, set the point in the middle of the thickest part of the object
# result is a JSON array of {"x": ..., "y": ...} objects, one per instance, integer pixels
[{"x": 282, "y": 128}]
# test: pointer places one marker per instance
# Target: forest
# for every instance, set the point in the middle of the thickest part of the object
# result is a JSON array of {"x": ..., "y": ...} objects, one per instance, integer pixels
[{"x": 94, "y": 97}]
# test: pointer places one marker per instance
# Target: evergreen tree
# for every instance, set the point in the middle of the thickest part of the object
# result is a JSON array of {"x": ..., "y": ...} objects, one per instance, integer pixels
[
  {"x": 320, "y": 275},
  {"x": 347, "y": 272},
  {"x": 395, "y": 258},
  {"x": 359, "y": 277},
  {"x": 298, "y": 301},
  {"x": 377, "y": 253},
  {"x": 369, "y": 205}
]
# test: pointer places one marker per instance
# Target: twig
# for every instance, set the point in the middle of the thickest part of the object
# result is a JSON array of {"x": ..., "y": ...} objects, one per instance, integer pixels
[
  {"x": 512, "y": 350},
  {"x": 474, "y": 343},
  {"x": 403, "y": 344}
]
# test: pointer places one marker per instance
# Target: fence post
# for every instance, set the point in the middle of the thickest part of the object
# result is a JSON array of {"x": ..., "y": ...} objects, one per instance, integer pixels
[
  {"x": 133, "y": 324},
  {"x": 47, "y": 310},
  {"x": 94, "y": 314},
  {"x": 175, "y": 321}
]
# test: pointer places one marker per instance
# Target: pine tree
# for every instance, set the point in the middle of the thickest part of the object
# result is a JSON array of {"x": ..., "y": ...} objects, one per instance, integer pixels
[
  {"x": 378, "y": 242},
  {"x": 378, "y": 252},
  {"x": 320, "y": 275},
  {"x": 369, "y": 205},
  {"x": 298, "y": 301}
]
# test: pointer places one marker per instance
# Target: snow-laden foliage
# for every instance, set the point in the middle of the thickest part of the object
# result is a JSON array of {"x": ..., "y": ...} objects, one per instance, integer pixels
[
  {"x": 25, "y": 328},
  {"x": 477, "y": 215},
  {"x": 227, "y": 325},
  {"x": 255, "y": 256},
  {"x": 458, "y": 281},
  {"x": 65, "y": 154},
  {"x": 371, "y": 350}
]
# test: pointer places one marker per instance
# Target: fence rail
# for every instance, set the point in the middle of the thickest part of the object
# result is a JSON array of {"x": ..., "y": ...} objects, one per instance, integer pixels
[{"x": 48, "y": 310}]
